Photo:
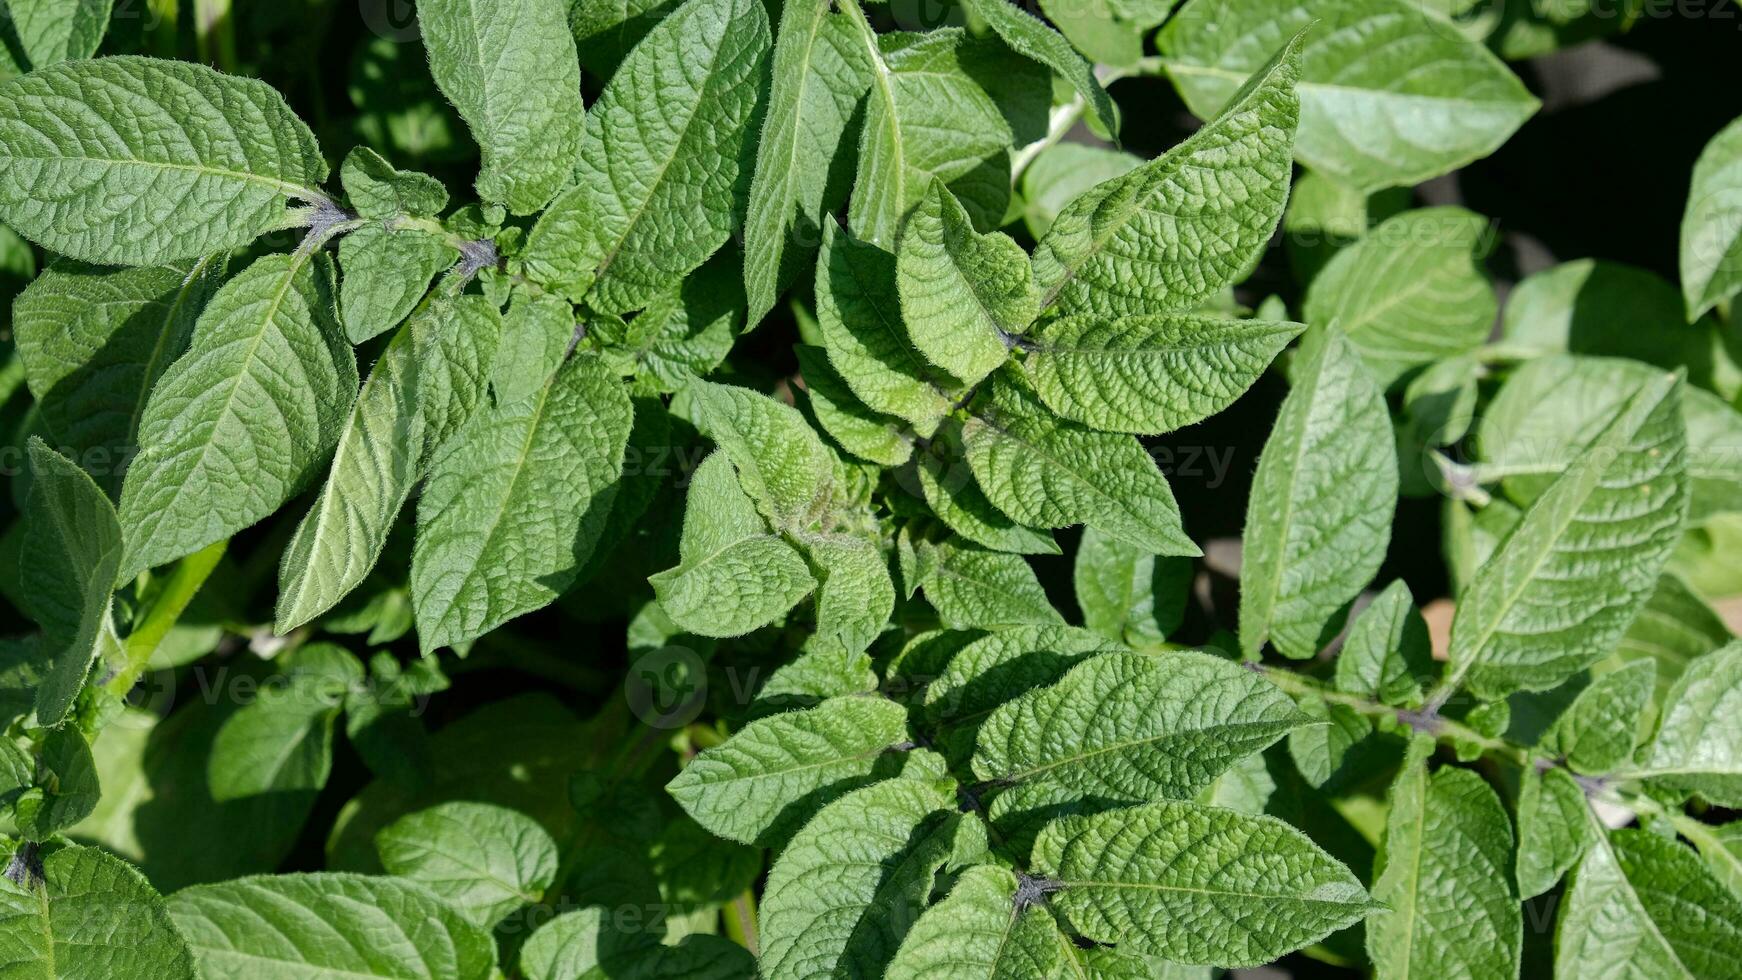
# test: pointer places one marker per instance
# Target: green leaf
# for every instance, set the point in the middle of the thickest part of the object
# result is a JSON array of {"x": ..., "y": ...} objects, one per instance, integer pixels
[
  {"x": 1563, "y": 586},
  {"x": 732, "y": 575},
  {"x": 72, "y": 544},
  {"x": 1127, "y": 727},
  {"x": 516, "y": 502},
  {"x": 1697, "y": 748},
  {"x": 282, "y": 740},
  {"x": 425, "y": 384},
  {"x": 962, "y": 293},
  {"x": 1446, "y": 875},
  {"x": 535, "y": 339},
  {"x": 820, "y": 73},
  {"x": 656, "y": 201},
  {"x": 1046, "y": 472},
  {"x": 1387, "y": 655},
  {"x": 90, "y": 915},
  {"x": 1148, "y": 374},
  {"x": 385, "y": 273},
  {"x": 989, "y": 671},
  {"x": 781, "y": 463},
  {"x": 1553, "y": 830},
  {"x": 1032, "y": 38},
  {"x": 933, "y": 113},
  {"x": 845, "y": 891},
  {"x": 49, "y": 31},
  {"x": 190, "y": 162},
  {"x": 948, "y": 487},
  {"x": 982, "y": 930},
  {"x": 1674, "y": 628},
  {"x": 509, "y": 66},
  {"x": 94, "y": 342},
  {"x": 855, "y": 593},
  {"x": 1389, "y": 93},
  {"x": 972, "y": 588},
  {"x": 244, "y": 420},
  {"x": 1126, "y": 594},
  {"x": 1196, "y": 884},
  {"x": 606, "y": 30},
  {"x": 854, "y": 427},
  {"x": 1640, "y": 905},
  {"x": 1711, "y": 238},
  {"x": 1590, "y": 306},
  {"x": 1334, "y": 749},
  {"x": 764, "y": 781},
  {"x": 377, "y": 189},
  {"x": 1319, "y": 517},
  {"x": 684, "y": 333},
  {"x": 1598, "y": 732},
  {"x": 1177, "y": 230},
  {"x": 860, "y": 319},
  {"x": 326, "y": 926},
  {"x": 1409, "y": 292},
  {"x": 1109, "y": 31},
  {"x": 486, "y": 861},
  {"x": 65, "y": 786},
  {"x": 1722, "y": 849},
  {"x": 1060, "y": 173}
]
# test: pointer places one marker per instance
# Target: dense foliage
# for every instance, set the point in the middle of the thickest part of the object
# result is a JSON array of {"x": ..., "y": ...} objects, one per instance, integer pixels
[{"x": 689, "y": 492}]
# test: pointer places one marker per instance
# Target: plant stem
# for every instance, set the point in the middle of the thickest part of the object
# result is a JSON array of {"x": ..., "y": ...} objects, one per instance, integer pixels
[
  {"x": 215, "y": 34},
  {"x": 162, "y": 613},
  {"x": 740, "y": 918}
]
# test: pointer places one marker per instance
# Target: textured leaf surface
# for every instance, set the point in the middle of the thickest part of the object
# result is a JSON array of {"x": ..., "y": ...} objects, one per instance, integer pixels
[
  {"x": 658, "y": 174},
  {"x": 1062, "y": 172},
  {"x": 1562, "y": 587},
  {"x": 282, "y": 740},
  {"x": 1170, "y": 234},
  {"x": 980, "y": 931},
  {"x": 769, "y": 776},
  {"x": 1387, "y": 655},
  {"x": 72, "y": 544},
  {"x": 1046, "y": 472},
  {"x": 1126, "y": 594},
  {"x": 732, "y": 575},
  {"x": 1032, "y": 38},
  {"x": 962, "y": 293},
  {"x": 484, "y": 860},
  {"x": 855, "y": 593},
  {"x": 781, "y": 463},
  {"x": 1149, "y": 374},
  {"x": 138, "y": 161},
  {"x": 1699, "y": 742},
  {"x": 245, "y": 418},
  {"x": 821, "y": 70},
  {"x": 1711, "y": 234},
  {"x": 685, "y": 332},
  {"x": 1409, "y": 291},
  {"x": 1446, "y": 873},
  {"x": 1196, "y": 884},
  {"x": 990, "y": 671},
  {"x": 845, "y": 891},
  {"x": 1389, "y": 93},
  {"x": 1597, "y": 733},
  {"x": 931, "y": 113},
  {"x": 56, "y": 30},
  {"x": 1319, "y": 517},
  {"x": 972, "y": 588},
  {"x": 516, "y": 502},
  {"x": 509, "y": 66},
  {"x": 377, "y": 189},
  {"x": 1553, "y": 830},
  {"x": 94, "y": 342},
  {"x": 860, "y": 317},
  {"x": 385, "y": 272},
  {"x": 329, "y": 926},
  {"x": 853, "y": 426},
  {"x": 1643, "y": 906},
  {"x": 950, "y": 491},
  {"x": 1131, "y": 727},
  {"x": 91, "y": 916},
  {"x": 425, "y": 384},
  {"x": 535, "y": 339}
]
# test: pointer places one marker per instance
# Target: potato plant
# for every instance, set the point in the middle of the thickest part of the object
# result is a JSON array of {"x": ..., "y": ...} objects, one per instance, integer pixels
[{"x": 686, "y": 489}]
